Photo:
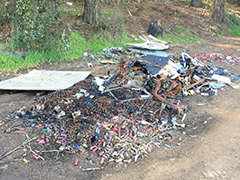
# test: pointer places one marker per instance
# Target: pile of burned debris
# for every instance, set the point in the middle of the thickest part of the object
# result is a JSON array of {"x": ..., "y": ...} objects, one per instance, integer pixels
[{"x": 123, "y": 116}]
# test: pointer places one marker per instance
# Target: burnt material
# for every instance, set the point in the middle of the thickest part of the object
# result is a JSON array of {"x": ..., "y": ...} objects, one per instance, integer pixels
[{"x": 154, "y": 29}]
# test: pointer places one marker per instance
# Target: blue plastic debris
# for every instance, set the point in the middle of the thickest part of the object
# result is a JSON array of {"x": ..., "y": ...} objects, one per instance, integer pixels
[
  {"x": 216, "y": 85},
  {"x": 149, "y": 52}
]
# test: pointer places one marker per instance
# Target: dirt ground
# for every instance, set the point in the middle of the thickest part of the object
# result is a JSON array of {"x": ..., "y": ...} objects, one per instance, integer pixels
[{"x": 210, "y": 146}]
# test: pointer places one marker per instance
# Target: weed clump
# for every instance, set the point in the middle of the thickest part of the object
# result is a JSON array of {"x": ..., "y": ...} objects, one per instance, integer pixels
[
  {"x": 181, "y": 35},
  {"x": 234, "y": 27}
]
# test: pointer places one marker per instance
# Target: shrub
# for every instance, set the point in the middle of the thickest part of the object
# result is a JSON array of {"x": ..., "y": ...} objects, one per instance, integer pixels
[
  {"x": 36, "y": 24},
  {"x": 234, "y": 27}
]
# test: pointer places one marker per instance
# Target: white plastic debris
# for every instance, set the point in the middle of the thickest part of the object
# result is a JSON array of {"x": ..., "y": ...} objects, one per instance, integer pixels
[
  {"x": 69, "y": 3},
  {"x": 99, "y": 82},
  {"x": 90, "y": 65},
  {"x": 221, "y": 79},
  {"x": 85, "y": 54}
]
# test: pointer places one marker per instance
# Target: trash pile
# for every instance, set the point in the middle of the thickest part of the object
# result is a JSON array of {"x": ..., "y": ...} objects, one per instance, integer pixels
[
  {"x": 123, "y": 116},
  {"x": 109, "y": 55},
  {"x": 112, "y": 55}
]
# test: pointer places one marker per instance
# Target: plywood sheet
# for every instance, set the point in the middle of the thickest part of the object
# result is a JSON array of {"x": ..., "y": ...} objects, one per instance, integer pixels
[{"x": 44, "y": 80}]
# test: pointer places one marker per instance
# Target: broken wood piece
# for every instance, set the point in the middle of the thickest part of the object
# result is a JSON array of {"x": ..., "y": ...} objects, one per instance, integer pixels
[
  {"x": 16, "y": 148},
  {"x": 29, "y": 147},
  {"x": 92, "y": 169},
  {"x": 107, "y": 62},
  {"x": 155, "y": 91}
]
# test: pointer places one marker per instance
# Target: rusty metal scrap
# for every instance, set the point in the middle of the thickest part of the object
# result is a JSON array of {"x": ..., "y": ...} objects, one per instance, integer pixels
[
  {"x": 194, "y": 84},
  {"x": 171, "y": 92}
]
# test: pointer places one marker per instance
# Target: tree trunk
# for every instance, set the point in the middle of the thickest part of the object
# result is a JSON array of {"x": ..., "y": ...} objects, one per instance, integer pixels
[
  {"x": 92, "y": 12},
  {"x": 219, "y": 11},
  {"x": 196, "y": 3}
]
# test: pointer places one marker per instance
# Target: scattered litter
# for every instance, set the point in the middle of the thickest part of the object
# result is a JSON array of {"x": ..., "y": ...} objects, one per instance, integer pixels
[
  {"x": 233, "y": 59},
  {"x": 4, "y": 167},
  {"x": 235, "y": 85},
  {"x": 114, "y": 50},
  {"x": 107, "y": 62},
  {"x": 221, "y": 79},
  {"x": 41, "y": 142},
  {"x": 148, "y": 52},
  {"x": 35, "y": 156},
  {"x": 92, "y": 169},
  {"x": 85, "y": 54},
  {"x": 90, "y": 65},
  {"x": 69, "y": 3},
  {"x": 216, "y": 85},
  {"x": 76, "y": 162},
  {"x": 168, "y": 146},
  {"x": 149, "y": 45}
]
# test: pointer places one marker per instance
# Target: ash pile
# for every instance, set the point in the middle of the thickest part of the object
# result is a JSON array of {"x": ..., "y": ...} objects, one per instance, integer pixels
[{"x": 123, "y": 116}]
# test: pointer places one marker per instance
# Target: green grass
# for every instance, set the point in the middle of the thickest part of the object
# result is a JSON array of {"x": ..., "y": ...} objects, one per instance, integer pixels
[
  {"x": 97, "y": 43},
  {"x": 12, "y": 63},
  {"x": 188, "y": 2},
  {"x": 78, "y": 45},
  {"x": 183, "y": 35},
  {"x": 234, "y": 30},
  {"x": 234, "y": 27}
]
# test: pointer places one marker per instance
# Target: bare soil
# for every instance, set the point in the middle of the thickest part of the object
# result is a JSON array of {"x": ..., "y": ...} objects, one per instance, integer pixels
[{"x": 210, "y": 143}]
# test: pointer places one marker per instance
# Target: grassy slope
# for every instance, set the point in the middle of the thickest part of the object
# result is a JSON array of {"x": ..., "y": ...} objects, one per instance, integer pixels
[{"x": 78, "y": 44}]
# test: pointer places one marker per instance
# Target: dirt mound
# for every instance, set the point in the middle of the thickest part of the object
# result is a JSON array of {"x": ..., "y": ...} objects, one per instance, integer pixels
[{"x": 139, "y": 16}]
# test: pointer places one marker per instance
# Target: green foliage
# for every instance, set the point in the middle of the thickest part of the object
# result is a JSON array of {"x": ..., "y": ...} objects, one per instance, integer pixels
[
  {"x": 234, "y": 27},
  {"x": 36, "y": 24},
  {"x": 188, "y": 2},
  {"x": 111, "y": 23},
  {"x": 4, "y": 9},
  {"x": 9, "y": 62},
  {"x": 183, "y": 35},
  {"x": 72, "y": 10},
  {"x": 78, "y": 45},
  {"x": 234, "y": 20}
]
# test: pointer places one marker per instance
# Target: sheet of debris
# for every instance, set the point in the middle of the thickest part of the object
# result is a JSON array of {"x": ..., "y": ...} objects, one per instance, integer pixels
[
  {"x": 42, "y": 80},
  {"x": 151, "y": 43},
  {"x": 123, "y": 116}
]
